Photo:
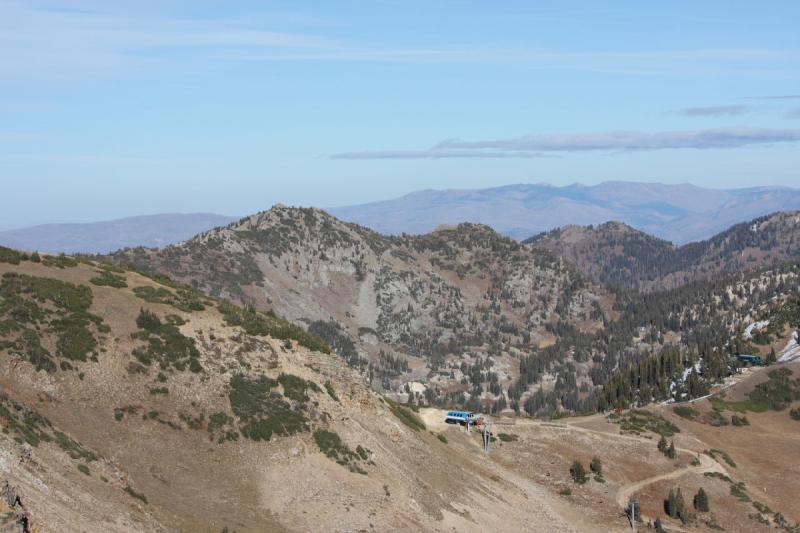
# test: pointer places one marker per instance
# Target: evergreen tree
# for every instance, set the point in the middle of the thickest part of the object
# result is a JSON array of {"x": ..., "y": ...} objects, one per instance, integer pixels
[
  {"x": 671, "y": 506},
  {"x": 772, "y": 358},
  {"x": 577, "y": 472},
  {"x": 671, "y": 453},
  {"x": 662, "y": 444},
  {"x": 680, "y": 506},
  {"x": 701, "y": 501}
]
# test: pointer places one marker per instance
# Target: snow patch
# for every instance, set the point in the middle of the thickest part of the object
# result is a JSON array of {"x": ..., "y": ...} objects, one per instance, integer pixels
[
  {"x": 791, "y": 351},
  {"x": 748, "y": 331}
]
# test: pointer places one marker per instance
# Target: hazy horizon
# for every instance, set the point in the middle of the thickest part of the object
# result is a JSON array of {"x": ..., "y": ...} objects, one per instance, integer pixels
[{"x": 119, "y": 109}]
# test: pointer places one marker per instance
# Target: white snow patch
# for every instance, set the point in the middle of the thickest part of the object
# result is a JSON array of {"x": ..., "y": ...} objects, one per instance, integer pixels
[
  {"x": 791, "y": 351},
  {"x": 748, "y": 331}
]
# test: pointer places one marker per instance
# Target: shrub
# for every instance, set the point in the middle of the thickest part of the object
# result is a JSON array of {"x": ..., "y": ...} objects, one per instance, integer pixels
[
  {"x": 331, "y": 391},
  {"x": 260, "y": 324},
  {"x": 183, "y": 298},
  {"x": 577, "y": 472},
  {"x": 405, "y": 416},
  {"x": 106, "y": 278},
  {"x": 332, "y": 446},
  {"x": 505, "y": 437},
  {"x": 684, "y": 411},
  {"x": 7, "y": 255},
  {"x": 739, "y": 420},
  {"x": 671, "y": 452},
  {"x": 565, "y": 491},
  {"x": 795, "y": 414},
  {"x": 134, "y": 494},
  {"x": 261, "y": 412},
  {"x": 148, "y": 320},
  {"x": 83, "y": 469},
  {"x": 294, "y": 387},
  {"x": 725, "y": 457},
  {"x": 596, "y": 466},
  {"x": 442, "y": 438}
]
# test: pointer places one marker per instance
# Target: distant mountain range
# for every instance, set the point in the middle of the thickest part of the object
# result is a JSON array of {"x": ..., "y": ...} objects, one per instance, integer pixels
[
  {"x": 677, "y": 213},
  {"x": 110, "y": 235}
]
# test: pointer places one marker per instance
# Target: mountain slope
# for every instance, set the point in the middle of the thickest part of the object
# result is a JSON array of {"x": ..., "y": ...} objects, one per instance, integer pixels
[
  {"x": 110, "y": 235},
  {"x": 678, "y": 213},
  {"x": 618, "y": 255},
  {"x": 128, "y": 404},
  {"x": 379, "y": 300}
]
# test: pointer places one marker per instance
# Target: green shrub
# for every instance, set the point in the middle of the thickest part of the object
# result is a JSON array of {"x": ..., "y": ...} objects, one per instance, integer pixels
[
  {"x": 795, "y": 414},
  {"x": 405, "y": 416},
  {"x": 684, "y": 411},
  {"x": 331, "y": 392},
  {"x": 577, "y": 473},
  {"x": 106, "y": 278},
  {"x": 182, "y": 298},
  {"x": 59, "y": 261},
  {"x": 294, "y": 387},
  {"x": 739, "y": 421},
  {"x": 505, "y": 437},
  {"x": 134, "y": 494},
  {"x": 165, "y": 343},
  {"x": 83, "y": 469},
  {"x": 442, "y": 438},
  {"x": 565, "y": 491},
  {"x": 7, "y": 255},
  {"x": 261, "y": 324},
  {"x": 738, "y": 491},
  {"x": 725, "y": 457},
  {"x": 638, "y": 420},
  {"x": 261, "y": 412},
  {"x": 332, "y": 446}
]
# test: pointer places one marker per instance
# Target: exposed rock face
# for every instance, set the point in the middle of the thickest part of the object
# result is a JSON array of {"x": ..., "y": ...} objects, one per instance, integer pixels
[{"x": 435, "y": 297}]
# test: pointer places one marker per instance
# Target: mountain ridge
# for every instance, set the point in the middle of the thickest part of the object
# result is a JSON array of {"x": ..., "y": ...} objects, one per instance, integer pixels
[
  {"x": 110, "y": 235},
  {"x": 619, "y": 255},
  {"x": 679, "y": 213}
]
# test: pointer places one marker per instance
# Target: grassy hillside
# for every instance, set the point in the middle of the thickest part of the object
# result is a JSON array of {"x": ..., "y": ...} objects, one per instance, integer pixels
[{"x": 131, "y": 403}]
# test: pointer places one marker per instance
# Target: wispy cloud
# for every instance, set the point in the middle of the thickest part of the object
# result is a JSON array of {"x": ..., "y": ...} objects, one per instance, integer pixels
[
  {"x": 714, "y": 111},
  {"x": 38, "y": 44},
  {"x": 536, "y": 146},
  {"x": 777, "y": 97}
]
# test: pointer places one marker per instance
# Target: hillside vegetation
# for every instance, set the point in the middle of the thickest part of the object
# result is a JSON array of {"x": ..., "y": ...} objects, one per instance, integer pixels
[{"x": 620, "y": 256}]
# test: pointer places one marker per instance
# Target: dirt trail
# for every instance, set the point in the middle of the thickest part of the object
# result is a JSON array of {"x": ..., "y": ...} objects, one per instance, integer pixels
[
  {"x": 434, "y": 418},
  {"x": 707, "y": 464}
]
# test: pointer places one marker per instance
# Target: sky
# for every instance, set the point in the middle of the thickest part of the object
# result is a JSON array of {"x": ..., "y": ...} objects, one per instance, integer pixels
[{"x": 112, "y": 109}]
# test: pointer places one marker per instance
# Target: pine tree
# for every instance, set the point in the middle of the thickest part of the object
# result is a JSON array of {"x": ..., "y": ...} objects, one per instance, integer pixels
[
  {"x": 662, "y": 445},
  {"x": 680, "y": 506},
  {"x": 772, "y": 357},
  {"x": 701, "y": 501},
  {"x": 672, "y": 506},
  {"x": 577, "y": 472},
  {"x": 671, "y": 453}
]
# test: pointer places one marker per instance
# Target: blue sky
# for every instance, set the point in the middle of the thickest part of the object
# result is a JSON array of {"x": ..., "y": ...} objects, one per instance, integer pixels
[{"x": 110, "y": 109}]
